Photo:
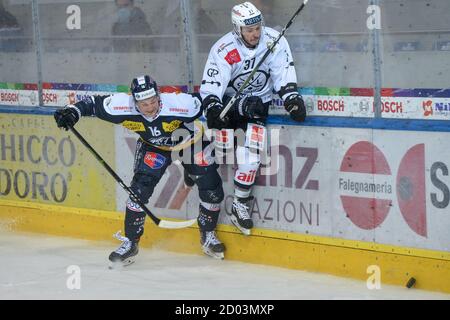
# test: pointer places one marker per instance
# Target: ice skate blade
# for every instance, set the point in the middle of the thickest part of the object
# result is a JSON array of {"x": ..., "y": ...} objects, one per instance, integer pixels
[
  {"x": 215, "y": 255},
  {"x": 117, "y": 265},
  {"x": 245, "y": 232}
]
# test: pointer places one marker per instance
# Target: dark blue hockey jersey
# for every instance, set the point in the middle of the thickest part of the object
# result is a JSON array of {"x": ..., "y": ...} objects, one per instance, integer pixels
[{"x": 178, "y": 111}]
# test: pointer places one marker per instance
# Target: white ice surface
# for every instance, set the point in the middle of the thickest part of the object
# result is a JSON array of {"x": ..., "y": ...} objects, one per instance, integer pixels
[{"x": 34, "y": 266}]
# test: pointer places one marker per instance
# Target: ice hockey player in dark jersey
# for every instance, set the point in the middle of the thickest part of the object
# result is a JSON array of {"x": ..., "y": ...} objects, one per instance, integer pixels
[
  {"x": 231, "y": 59},
  {"x": 155, "y": 117}
]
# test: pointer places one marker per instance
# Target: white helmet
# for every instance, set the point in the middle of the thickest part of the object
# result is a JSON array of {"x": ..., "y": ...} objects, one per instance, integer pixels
[{"x": 245, "y": 15}]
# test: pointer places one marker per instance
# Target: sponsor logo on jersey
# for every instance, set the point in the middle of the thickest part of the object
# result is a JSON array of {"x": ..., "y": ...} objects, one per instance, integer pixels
[
  {"x": 171, "y": 126},
  {"x": 122, "y": 108},
  {"x": 133, "y": 206},
  {"x": 180, "y": 110},
  {"x": 154, "y": 160},
  {"x": 134, "y": 126},
  {"x": 221, "y": 48},
  {"x": 247, "y": 177},
  {"x": 233, "y": 57},
  {"x": 212, "y": 72},
  {"x": 163, "y": 141}
]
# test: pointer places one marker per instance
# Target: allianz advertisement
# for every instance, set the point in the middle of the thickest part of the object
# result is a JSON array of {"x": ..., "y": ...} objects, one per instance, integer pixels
[
  {"x": 41, "y": 163},
  {"x": 387, "y": 187}
]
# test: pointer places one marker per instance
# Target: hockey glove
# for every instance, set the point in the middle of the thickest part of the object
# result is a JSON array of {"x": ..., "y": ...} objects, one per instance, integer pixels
[
  {"x": 67, "y": 117},
  {"x": 213, "y": 109},
  {"x": 252, "y": 108},
  {"x": 296, "y": 107}
]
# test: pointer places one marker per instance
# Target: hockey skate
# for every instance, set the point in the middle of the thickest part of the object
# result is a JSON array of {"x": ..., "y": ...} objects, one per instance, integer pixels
[
  {"x": 211, "y": 245},
  {"x": 240, "y": 216},
  {"x": 125, "y": 254}
]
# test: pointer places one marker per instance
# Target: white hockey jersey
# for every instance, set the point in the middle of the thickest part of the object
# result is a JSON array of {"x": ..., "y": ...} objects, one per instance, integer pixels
[{"x": 230, "y": 62}]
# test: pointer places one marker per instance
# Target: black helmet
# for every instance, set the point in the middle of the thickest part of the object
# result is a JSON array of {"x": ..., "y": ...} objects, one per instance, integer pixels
[{"x": 143, "y": 87}]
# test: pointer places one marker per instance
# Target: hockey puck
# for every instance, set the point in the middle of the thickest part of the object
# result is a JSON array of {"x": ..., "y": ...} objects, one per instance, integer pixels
[{"x": 411, "y": 282}]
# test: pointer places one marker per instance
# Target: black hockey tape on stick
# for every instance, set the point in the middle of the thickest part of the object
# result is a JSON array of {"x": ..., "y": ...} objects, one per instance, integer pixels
[
  {"x": 269, "y": 50},
  {"x": 159, "y": 222}
]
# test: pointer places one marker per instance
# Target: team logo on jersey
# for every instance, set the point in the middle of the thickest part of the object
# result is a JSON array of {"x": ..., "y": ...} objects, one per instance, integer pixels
[
  {"x": 171, "y": 126},
  {"x": 154, "y": 160},
  {"x": 233, "y": 57},
  {"x": 257, "y": 82},
  {"x": 133, "y": 126}
]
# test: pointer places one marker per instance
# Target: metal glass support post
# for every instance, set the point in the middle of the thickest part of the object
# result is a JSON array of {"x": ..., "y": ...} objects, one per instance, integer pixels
[
  {"x": 186, "y": 19},
  {"x": 376, "y": 35},
  {"x": 38, "y": 47}
]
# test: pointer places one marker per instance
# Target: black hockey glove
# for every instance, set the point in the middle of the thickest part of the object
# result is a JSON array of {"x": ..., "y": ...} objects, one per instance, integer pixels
[
  {"x": 66, "y": 117},
  {"x": 296, "y": 107},
  {"x": 213, "y": 118},
  {"x": 213, "y": 109},
  {"x": 252, "y": 108}
]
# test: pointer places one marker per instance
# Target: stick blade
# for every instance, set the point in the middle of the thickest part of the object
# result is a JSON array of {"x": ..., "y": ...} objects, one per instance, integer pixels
[{"x": 176, "y": 224}]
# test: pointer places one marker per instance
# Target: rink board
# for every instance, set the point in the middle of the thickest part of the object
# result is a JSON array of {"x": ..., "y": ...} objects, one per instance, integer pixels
[
  {"x": 326, "y": 209},
  {"x": 44, "y": 164},
  {"x": 381, "y": 186}
]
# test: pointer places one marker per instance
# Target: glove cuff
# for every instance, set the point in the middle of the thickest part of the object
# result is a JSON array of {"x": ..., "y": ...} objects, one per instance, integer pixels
[
  {"x": 72, "y": 106},
  {"x": 290, "y": 97},
  {"x": 211, "y": 101},
  {"x": 287, "y": 90}
]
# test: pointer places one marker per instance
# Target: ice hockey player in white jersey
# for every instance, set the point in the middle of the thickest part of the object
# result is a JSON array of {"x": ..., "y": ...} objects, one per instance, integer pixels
[
  {"x": 230, "y": 61},
  {"x": 155, "y": 117}
]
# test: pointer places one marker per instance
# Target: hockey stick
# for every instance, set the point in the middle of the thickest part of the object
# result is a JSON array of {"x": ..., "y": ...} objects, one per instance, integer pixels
[
  {"x": 159, "y": 222},
  {"x": 269, "y": 50}
]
